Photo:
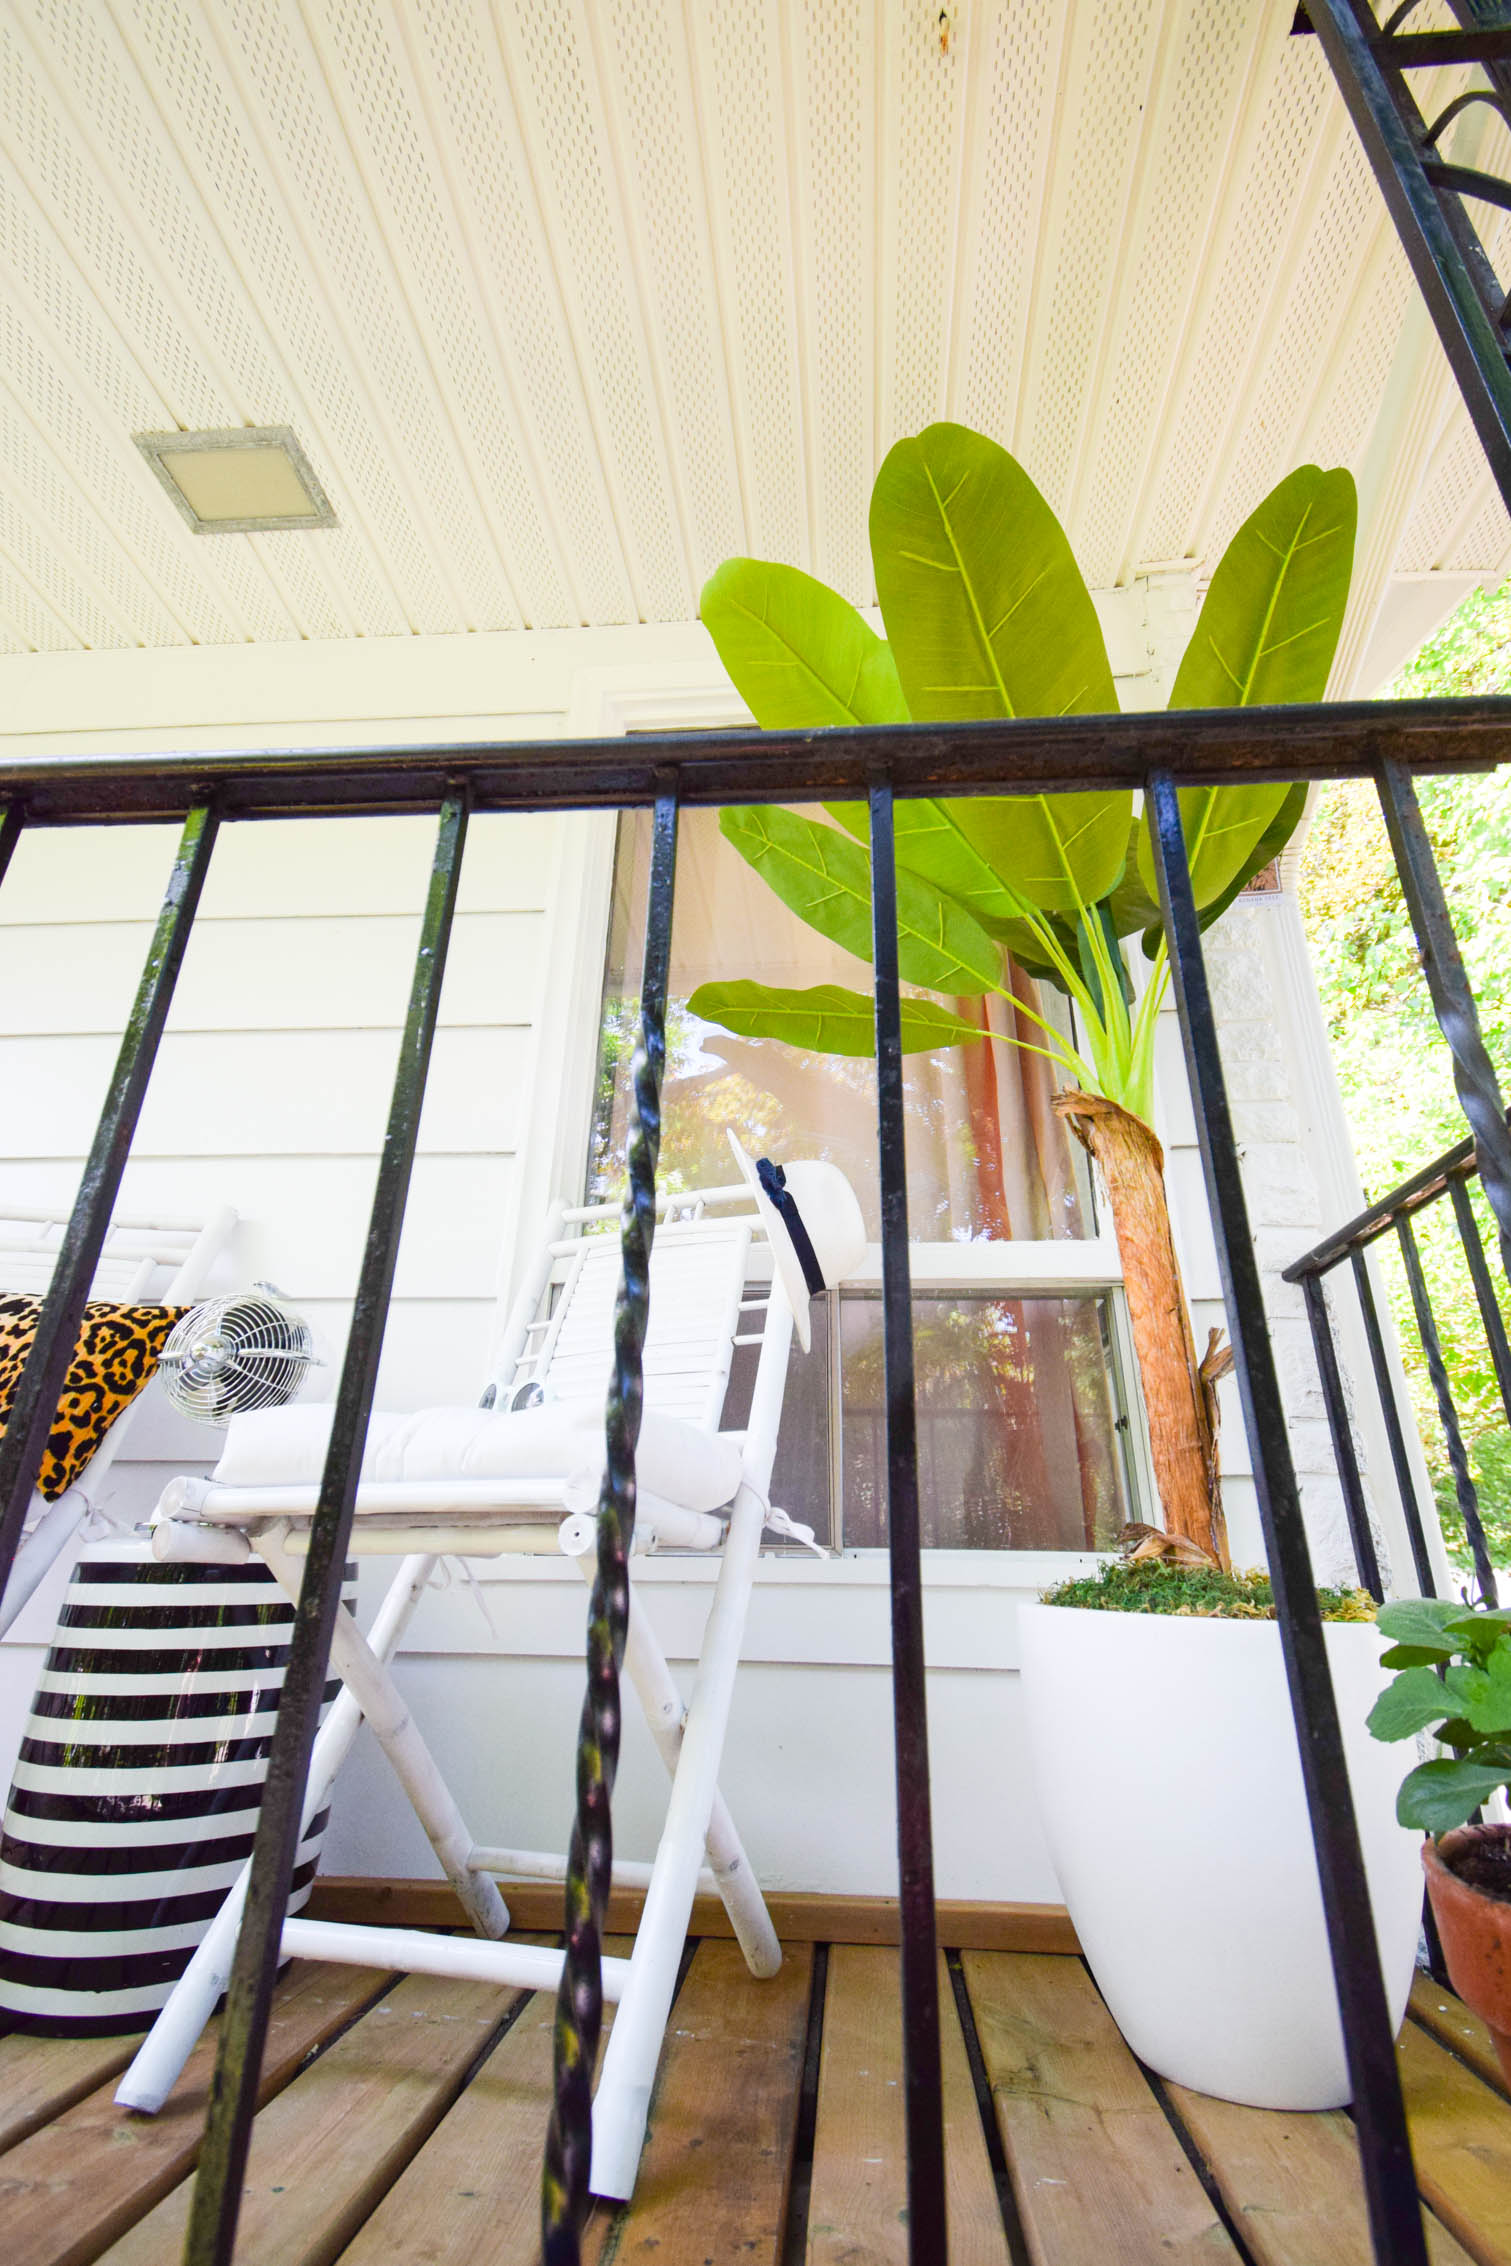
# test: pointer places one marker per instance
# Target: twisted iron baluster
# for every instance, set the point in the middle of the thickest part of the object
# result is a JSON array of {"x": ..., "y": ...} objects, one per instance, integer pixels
[{"x": 579, "y": 1998}]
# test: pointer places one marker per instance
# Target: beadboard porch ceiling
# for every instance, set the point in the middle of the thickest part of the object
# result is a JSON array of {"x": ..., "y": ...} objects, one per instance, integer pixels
[{"x": 569, "y": 299}]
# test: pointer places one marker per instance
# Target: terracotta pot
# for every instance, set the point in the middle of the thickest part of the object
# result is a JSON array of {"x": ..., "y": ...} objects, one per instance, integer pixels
[{"x": 1475, "y": 1930}]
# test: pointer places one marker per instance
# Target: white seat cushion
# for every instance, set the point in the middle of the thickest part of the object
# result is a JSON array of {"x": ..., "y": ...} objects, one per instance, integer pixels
[{"x": 556, "y": 1442}]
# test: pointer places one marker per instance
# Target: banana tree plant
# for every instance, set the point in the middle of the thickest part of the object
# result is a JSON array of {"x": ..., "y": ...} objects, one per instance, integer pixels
[{"x": 987, "y": 615}]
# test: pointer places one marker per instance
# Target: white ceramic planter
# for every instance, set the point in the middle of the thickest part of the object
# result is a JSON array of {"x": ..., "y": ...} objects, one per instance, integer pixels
[{"x": 1170, "y": 1788}]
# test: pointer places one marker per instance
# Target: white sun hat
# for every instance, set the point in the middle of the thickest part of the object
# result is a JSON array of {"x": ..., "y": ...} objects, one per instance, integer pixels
[{"x": 813, "y": 1218}]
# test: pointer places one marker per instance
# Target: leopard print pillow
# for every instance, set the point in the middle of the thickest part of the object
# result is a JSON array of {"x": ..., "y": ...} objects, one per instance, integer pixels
[{"x": 114, "y": 1356}]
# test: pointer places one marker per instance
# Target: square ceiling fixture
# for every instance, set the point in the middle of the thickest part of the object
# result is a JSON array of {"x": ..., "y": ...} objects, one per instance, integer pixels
[{"x": 244, "y": 481}]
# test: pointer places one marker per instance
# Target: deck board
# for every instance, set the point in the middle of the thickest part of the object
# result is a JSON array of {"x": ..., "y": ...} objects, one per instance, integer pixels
[
  {"x": 1292, "y": 2184},
  {"x": 41, "y": 2077},
  {"x": 471, "y": 2197},
  {"x": 1451, "y": 2023},
  {"x": 1096, "y": 2168},
  {"x": 857, "y": 2200},
  {"x": 725, "y": 2105},
  {"x": 390, "y": 2131},
  {"x": 1461, "y": 2139},
  {"x": 473, "y": 2192},
  {"x": 76, "y": 2186},
  {"x": 327, "y": 2150}
]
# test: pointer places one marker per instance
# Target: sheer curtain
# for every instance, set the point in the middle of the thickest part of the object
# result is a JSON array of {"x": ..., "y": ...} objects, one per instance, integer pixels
[{"x": 1019, "y": 1389}]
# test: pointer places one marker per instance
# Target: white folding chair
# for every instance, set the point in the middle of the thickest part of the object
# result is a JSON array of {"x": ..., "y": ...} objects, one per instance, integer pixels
[
  {"x": 522, "y": 1473},
  {"x": 157, "y": 1262}
]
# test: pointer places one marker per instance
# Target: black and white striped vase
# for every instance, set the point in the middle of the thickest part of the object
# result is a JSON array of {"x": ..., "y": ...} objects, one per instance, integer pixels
[{"x": 135, "y": 1797}]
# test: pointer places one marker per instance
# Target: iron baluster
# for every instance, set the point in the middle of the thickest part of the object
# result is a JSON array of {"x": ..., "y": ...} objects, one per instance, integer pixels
[
  {"x": 36, "y": 1398},
  {"x": 12, "y": 826},
  {"x": 579, "y": 1998},
  {"x": 1448, "y": 1415},
  {"x": 1447, "y": 1175},
  {"x": 1395, "y": 2217},
  {"x": 1474, "y": 1076},
  {"x": 927, "y": 2243},
  {"x": 1366, "y": 1558},
  {"x": 1491, "y": 1317},
  {"x": 238, "y": 2064},
  {"x": 1395, "y": 1433}
]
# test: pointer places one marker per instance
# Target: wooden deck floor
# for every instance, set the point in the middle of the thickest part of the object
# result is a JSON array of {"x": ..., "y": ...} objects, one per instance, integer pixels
[{"x": 402, "y": 2122}]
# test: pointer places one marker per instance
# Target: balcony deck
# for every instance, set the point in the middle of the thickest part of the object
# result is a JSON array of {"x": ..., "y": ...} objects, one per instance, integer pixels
[{"x": 402, "y": 2122}]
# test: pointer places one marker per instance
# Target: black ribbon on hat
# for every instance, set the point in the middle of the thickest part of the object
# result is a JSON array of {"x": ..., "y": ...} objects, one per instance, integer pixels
[{"x": 774, "y": 1186}]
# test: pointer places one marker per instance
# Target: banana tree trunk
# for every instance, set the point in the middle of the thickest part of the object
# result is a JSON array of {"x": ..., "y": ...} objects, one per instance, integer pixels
[{"x": 1182, "y": 1438}]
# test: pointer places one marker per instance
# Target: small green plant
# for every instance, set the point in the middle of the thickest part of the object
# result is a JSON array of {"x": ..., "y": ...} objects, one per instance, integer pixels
[
  {"x": 1195, "y": 1592},
  {"x": 1455, "y": 1681}
]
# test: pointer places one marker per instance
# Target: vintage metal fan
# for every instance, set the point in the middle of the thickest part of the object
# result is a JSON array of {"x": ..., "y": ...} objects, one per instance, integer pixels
[{"x": 231, "y": 1355}]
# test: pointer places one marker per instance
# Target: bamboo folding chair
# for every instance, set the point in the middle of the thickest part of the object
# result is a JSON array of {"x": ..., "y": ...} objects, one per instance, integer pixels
[
  {"x": 162, "y": 1262},
  {"x": 520, "y": 1473}
]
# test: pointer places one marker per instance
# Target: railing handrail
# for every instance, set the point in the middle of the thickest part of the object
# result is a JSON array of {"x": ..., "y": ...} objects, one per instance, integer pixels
[
  {"x": 1461, "y": 1162},
  {"x": 1014, "y": 755}
]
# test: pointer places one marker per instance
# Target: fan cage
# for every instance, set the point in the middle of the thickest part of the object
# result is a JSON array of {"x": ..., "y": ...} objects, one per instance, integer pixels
[{"x": 235, "y": 1355}]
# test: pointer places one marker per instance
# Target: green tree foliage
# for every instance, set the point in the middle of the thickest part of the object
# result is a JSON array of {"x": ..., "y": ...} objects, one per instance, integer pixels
[{"x": 1391, "y": 1061}]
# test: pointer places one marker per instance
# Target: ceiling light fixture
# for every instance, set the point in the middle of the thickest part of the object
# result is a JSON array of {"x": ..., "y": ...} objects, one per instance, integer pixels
[{"x": 247, "y": 480}]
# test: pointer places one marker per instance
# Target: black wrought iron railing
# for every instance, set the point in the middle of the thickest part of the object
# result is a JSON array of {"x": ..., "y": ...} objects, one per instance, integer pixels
[
  {"x": 1158, "y": 752},
  {"x": 1387, "y": 57},
  {"x": 1449, "y": 1179}
]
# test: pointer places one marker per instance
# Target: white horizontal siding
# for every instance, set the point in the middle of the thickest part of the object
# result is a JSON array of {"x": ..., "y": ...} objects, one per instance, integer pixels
[
  {"x": 306, "y": 1216},
  {"x": 272, "y": 1084},
  {"x": 327, "y": 971},
  {"x": 255, "y": 1093},
  {"x": 271, "y": 868}
]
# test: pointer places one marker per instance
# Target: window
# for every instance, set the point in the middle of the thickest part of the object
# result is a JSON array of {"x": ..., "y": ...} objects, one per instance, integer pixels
[{"x": 1025, "y": 1435}]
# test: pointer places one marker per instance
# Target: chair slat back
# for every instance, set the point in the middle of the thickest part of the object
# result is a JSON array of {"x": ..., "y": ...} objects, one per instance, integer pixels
[
  {"x": 698, "y": 1271},
  {"x": 137, "y": 1264}
]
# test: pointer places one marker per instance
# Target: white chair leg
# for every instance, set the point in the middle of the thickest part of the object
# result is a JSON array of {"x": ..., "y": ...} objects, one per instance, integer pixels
[
  {"x": 388, "y": 1716},
  {"x": 168, "y": 2044},
  {"x": 623, "y": 2099},
  {"x": 738, "y": 1889}
]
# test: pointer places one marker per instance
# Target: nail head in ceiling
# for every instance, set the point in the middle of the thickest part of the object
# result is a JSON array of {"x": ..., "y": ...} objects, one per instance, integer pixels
[{"x": 246, "y": 480}]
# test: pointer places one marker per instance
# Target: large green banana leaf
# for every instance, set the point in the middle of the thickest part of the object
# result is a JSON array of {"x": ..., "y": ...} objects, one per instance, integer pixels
[
  {"x": 799, "y": 655},
  {"x": 1132, "y": 907},
  {"x": 1224, "y": 827},
  {"x": 961, "y": 873},
  {"x": 1133, "y": 904},
  {"x": 827, "y": 1020},
  {"x": 982, "y": 597},
  {"x": 931, "y": 840},
  {"x": 988, "y": 616},
  {"x": 1064, "y": 853},
  {"x": 1270, "y": 623},
  {"x": 825, "y": 878},
  {"x": 1267, "y": 633},
  {"x": 1270, "y": 844}
]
